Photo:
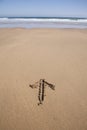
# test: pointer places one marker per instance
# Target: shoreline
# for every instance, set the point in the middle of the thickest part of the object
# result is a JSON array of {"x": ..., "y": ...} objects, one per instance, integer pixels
[{"x": 43, "y": 28}]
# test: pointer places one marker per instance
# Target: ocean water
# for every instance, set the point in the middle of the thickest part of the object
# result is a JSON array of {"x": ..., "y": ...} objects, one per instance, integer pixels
[{"x": 43, "y": 22}]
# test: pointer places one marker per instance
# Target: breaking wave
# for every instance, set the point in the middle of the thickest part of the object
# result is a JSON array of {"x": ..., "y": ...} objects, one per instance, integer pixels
[{"x": 41, "y": 20}]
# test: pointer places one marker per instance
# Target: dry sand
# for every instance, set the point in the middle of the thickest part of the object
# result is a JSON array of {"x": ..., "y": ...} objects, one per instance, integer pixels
[{"x": 59, "y": 56}]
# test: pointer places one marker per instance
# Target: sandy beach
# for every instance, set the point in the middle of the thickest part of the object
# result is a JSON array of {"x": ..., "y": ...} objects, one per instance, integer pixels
[{"x": 57, "y": 55}]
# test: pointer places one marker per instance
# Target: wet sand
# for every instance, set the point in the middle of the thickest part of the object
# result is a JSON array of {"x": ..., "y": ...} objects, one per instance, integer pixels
[{"x": 57, "y": 55}]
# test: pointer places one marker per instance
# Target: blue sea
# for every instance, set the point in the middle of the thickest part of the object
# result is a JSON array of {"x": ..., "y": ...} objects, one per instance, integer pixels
[{"x": 43, "y": 22}]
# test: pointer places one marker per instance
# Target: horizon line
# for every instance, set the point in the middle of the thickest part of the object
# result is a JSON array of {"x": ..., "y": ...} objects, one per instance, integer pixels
[{"x": 42, "y": 17}]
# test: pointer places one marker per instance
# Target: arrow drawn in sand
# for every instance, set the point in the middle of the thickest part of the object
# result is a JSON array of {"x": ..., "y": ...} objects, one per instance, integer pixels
[{"x": 41, "y": 84}]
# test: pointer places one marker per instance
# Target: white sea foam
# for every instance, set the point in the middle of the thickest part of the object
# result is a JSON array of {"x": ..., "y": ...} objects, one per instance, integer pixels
[{"x": 36, "y": 20}]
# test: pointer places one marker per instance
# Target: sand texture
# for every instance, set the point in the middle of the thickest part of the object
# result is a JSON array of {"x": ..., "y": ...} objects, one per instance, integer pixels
[{"x": 57, "y": 55}]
